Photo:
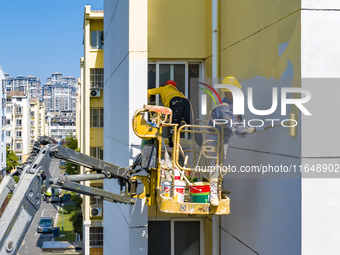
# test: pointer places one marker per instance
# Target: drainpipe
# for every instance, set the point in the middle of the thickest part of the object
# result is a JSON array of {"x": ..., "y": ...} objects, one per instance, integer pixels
[{"x": 215, "y": 75}]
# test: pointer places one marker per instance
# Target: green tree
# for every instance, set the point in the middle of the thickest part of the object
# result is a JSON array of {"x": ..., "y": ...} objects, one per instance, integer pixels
[
  {"x": 77, "y": 216},
  {"x": 11, "y": 160},
  {"x": 71, "y": 143}
]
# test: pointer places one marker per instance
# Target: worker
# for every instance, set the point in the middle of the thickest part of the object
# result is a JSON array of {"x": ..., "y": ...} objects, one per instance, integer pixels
[
  {"x": 176, "y": 101},
  {"x": 225, "y": 111}
]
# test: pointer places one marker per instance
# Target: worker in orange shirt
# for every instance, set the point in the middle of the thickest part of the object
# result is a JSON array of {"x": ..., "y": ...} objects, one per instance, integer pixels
[{"x": 176, "y": 101}]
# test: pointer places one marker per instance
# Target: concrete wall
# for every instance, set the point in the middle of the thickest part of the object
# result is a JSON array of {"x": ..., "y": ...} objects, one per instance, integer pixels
[
  {"x": 320, "y": 59},
  {"x": 125, "y": 63},
  {"x": 260, "y": 46}
]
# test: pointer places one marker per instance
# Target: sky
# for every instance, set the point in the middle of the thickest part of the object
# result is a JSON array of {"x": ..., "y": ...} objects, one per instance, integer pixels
[{"x": 41, "y": 37}]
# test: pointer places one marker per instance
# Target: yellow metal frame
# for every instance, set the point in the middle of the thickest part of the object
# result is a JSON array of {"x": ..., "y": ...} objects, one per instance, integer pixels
[{"x": 152, "y": 187}]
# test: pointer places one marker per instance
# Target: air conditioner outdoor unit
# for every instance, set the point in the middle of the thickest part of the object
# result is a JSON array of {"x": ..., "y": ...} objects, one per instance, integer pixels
[
  {"x": 95, "y": 93},
  {"x": 96, "y": 212}
]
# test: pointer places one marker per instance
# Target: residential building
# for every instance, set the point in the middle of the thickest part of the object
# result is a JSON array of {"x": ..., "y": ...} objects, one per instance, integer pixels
[
  {"x": 3, "y": 123},
  {"x": 90, "y": 121},
  {"x": 61, "y": 125},
  {"x": 60, "y": 93},
  {"x": 38, "y": 124},
  {"x": 27, "y": 84},
  {"x": 17, "y": 124},
  {"x": 264, "y": 44}
]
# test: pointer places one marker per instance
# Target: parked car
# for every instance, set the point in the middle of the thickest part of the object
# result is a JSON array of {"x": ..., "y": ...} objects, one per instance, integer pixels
[{"x": 45, "y": 225}]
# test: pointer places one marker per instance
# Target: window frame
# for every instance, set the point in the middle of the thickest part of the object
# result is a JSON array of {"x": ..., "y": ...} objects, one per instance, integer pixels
[
  {"x": 172, "y": 231},
  {"x": 97, "y": 83},
  {"x": 101, "y": 111},
  {"x": 96, "y": 47}
]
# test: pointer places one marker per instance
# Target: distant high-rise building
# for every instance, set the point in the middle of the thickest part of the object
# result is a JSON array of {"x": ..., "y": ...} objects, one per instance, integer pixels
[
  {"x": 28, "y": 84},
  {"x": 60, "y": 93}
]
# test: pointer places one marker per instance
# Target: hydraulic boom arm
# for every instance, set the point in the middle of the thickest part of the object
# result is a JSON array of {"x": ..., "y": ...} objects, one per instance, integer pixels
[{"x": 26, "y": 199}]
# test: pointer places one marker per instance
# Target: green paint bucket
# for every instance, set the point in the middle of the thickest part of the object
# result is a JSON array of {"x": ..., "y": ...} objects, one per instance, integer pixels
[{"x": 200, "y": 192}]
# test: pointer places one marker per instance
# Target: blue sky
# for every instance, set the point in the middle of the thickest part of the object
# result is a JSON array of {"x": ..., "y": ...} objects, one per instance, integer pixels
[{"x": 41, "y": 37}]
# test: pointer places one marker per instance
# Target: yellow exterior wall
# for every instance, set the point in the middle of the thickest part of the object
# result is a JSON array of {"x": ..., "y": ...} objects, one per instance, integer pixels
[
  {"x": 96, "y": 59},
  {"x": 96, "y": 251},
  {"x": 176, "y": 29},
  {"x": 250, "y": 36},
  {"x": 97, "y": 135},
  {"x": 89, "y": 137}
]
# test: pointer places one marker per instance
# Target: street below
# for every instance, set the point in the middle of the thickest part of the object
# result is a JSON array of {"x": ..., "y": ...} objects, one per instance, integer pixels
[{"x": 33, "y": 241}]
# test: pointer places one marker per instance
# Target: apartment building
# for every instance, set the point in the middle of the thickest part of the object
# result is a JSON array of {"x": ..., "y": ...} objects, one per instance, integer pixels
[
  {"x": 90, "y": 122},
  {"x": 3, "y": 123},
  {"x": 60, "y": 93},
  {"x": 61, "y": 125},
  {"x": 17, "y": 123},
  {"x": 38, "y": 123},
  {"x": 265, "y": 45},
  {"x": 28, "y": 84}
]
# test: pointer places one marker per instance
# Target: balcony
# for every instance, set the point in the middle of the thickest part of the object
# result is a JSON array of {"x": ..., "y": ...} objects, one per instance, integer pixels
[
  {"x": 18, "y": 113},
  {"x": 18, "y": 150}
]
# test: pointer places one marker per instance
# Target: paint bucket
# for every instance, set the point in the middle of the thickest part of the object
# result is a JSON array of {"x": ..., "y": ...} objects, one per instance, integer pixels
[
  {"x": 200, "y": 192},
  {"x": 179, "y": 190},
  {"x": 177, "y": 175}
]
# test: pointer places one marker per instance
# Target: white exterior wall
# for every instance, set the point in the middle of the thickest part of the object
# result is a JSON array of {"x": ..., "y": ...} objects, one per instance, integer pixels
[
  {"x": 320, "y": 58},
  {"x": 3, "y": 125},
  {"x": 125, "y": 84}
]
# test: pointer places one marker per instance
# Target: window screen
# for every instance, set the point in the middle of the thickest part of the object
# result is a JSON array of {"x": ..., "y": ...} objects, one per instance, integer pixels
[{"x": 159, "y": 238}]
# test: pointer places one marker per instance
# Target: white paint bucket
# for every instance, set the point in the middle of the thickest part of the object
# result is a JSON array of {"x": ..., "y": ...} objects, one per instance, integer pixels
[{"x": 179, "y": 190}]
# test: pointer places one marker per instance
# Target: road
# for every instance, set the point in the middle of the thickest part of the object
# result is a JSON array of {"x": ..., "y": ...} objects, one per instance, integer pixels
[{"x": 33, "y": 241}]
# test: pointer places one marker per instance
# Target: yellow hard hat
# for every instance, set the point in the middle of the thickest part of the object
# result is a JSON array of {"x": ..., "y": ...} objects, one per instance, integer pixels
[{"x": 230, "y": 80}]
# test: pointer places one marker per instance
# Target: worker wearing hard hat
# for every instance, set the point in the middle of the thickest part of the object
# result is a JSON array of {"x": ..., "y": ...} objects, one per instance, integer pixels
[
  {"x": 225, "y": 111},
  {"x": 176, "y": 101}
]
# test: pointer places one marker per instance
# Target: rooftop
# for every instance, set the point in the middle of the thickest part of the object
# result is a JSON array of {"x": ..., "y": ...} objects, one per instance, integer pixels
[{"x": 15, "y": 93}]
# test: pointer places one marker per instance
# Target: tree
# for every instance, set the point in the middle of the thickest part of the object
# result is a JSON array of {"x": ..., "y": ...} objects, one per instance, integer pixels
[
  {"x": 77, "y": 216},
  {"x": 71, "y": 143},
  {"x": 11, "y": 160}
]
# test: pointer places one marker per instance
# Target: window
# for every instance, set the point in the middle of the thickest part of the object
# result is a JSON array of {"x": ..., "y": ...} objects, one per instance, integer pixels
[
  {"x": 8, "y": 122},
  {"x": 32, "y": 114},
  {"x": 96, "y": 201},
  {"x": 32, "y": 122},
  {"x": 96, "y": 236},
  {"x": 8, "y": 109},
  {"x": 185, "y": 73},
  {"x": 19, "y": 99},
  {"x": 8, "y": 133},
  {"x": 178, "y": 236},
  {"x": 96, "y": 118},
  {"x": 96, "y": 152},
  {"x": 18, "y": 147},
  {"x": 18, "y": 134},
  {"x": 19, "y": 122},
  {"x": 97, "y": 39},
  {"x": 18, "y": 109},
  {"x": 96, "y": 77},
  {"x": 32, "y": 132}
]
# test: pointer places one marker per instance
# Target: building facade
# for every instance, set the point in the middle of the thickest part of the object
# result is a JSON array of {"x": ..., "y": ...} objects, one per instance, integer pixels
[
  {"x": 265, "y": 45},
  {"x": 17, "y": 124},
  {"x": 3, "y": 123},
  {"x": 90, "y": 122},
  {"x": 38, "y": 123},
  {"x": 60, "y": 93},
  {"x": 62, "y": 125},
  {"x": 27, "y": 84}
]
